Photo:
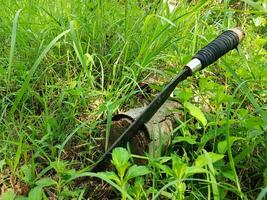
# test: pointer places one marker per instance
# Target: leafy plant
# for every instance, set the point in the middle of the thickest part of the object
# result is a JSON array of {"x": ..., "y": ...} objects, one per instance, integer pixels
[
  {"x": 67, "y": 66},
  {"x": 125, "y": 172}
]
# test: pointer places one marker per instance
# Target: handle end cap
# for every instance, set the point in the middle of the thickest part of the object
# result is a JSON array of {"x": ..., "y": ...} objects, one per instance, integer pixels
[{"x": 240, "y": 33}]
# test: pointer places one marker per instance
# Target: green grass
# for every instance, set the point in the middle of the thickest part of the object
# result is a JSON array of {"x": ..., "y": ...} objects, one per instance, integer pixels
[{"x": 66, "y": 67}]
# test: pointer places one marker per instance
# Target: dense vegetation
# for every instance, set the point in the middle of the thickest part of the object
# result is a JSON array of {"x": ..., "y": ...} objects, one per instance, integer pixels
[{"x": 67, "y": 66}]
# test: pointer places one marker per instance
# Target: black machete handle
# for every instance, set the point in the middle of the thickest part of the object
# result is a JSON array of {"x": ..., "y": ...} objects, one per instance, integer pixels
[{"x": 225, "y": 42}]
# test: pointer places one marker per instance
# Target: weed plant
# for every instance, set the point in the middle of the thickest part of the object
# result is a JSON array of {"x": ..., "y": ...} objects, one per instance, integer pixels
[{"x": 66, "y": 66}]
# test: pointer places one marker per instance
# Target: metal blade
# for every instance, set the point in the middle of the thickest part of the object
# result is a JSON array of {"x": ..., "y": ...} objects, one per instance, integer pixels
[{"x": 143, "y": 118}]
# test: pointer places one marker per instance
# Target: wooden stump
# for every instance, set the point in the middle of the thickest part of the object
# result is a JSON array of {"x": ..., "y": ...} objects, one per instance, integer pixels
[{"x": 155, "y": 135}]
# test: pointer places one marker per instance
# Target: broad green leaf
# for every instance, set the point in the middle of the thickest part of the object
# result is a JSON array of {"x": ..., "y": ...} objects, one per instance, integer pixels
[
  {"x": 9, "y": 195},
  {"x": 222, "y": 146},
  {"x": 254, "y": 122},
  {"x": 28, "y": 173},
  {"x": 135, "y": 171},
  {"x": 21, "y": 198},
  {"x": 138, "y": 186},
  {"x": 69, "y": 193},
  {"x": 263, "y": 194},
  {"x": 69, "y": 173},
  {"x": 100, "y": 175},
  {"x": 45, "y": 182},
  {"x": 59, "y": 166},
  {"x": 229, "y": 174},
  {"x": 183, "y": 94},
  {"x": 178, "y": 166},
  {"x": 190, "y": 171},
  {"x": 111, "y": 176},
  {"x": 165, "y": 159},
  {"x": 196, "y": 112},
  {"x": 36, "y": 193},
  {"x": 206, "y": 84},
  {"x": 168, "y": 195},
  {"x": 120, "y": 158},
  {"x": 188, "y": 139},
  {"x": 202, "y": 161},
  {"x": 166, "y": 169}
]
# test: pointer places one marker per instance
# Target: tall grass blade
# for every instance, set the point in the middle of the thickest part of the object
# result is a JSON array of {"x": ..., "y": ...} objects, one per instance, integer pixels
[
  {"x": 13, "y": 44},
  {"x": 18, "y": 155},
  {"x": 26, "y": 82},
  {"x": 263, "y": 194},
  {"x": 245, "y": 90},
  {"x": 83, "y": 58},
  {"x": 214, "y": 183}
]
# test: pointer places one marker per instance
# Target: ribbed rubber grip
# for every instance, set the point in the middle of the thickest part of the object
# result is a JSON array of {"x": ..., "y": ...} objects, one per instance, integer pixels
[{"x": 225, "y": 42}]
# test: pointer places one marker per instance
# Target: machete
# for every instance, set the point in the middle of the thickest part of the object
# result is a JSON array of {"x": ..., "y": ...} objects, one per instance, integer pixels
[{"x": 225, "y": 42}]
